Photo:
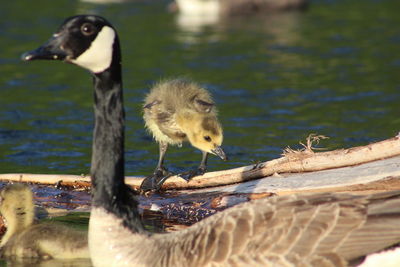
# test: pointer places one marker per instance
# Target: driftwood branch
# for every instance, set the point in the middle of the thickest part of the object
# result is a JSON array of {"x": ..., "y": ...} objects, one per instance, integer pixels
[
  {"x": 305, "y": 160},
  {"x": 64, "y": 179}
]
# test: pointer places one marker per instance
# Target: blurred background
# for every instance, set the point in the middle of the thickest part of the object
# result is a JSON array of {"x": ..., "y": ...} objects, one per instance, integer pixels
[{"x": 332, "y": 68}]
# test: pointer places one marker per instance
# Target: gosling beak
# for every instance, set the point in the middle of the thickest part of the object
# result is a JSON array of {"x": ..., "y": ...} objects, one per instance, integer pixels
[
  {"x": 51, "y": 50},
  {"x": 219, "y": 152}
]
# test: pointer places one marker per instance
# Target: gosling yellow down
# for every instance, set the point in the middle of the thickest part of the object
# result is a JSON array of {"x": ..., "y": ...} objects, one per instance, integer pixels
[
  {"x": 177, "y": 111},
  {"x": 26, "y": 239}
]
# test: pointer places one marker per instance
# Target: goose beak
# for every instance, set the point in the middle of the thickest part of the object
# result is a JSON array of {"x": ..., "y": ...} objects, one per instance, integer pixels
[
  {"x": 219, "y": 152},
  {"x": 51, "y": 50}
]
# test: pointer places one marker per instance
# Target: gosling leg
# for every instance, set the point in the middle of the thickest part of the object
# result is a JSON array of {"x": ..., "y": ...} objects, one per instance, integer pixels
[
  {"x": 154, "y": 181},
  {"x": 196, "y": 172}
]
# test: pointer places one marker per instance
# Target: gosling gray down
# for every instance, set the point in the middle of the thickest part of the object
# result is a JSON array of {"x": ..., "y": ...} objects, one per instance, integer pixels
[
  {"x": 176, "y": 111},
  {"x": 26, "y": 239}
]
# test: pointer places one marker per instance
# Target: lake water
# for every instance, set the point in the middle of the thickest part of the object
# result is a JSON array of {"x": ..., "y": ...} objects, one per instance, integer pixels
[{"x": 332, "y": 70}]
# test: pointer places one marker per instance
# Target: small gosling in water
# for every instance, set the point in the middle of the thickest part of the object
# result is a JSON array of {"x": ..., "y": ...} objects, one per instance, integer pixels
[
  {"x": 26, "y": 239},
  {"x": 176, "y": 111}
]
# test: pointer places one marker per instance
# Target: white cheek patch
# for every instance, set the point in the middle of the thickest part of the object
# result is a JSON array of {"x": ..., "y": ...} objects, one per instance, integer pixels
[{"x": 98, "y": 56}]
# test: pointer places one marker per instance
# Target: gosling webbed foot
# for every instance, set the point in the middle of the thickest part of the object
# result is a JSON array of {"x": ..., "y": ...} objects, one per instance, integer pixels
[
  {"x": 155, "y": 181},
  {"x": 192, "y": 173}
]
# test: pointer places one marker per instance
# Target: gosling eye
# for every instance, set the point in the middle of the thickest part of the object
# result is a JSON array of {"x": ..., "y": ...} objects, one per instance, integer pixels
[
  {"x": 87, "y": 29},
  {"x": 207, "y": 138}
]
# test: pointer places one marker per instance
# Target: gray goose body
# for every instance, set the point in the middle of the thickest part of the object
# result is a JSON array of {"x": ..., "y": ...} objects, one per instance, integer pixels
[{"x": 298, "y": 230}]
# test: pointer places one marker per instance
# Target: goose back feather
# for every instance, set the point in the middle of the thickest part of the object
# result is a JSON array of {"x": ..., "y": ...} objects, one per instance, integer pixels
[{"x": 298, "y": 230}]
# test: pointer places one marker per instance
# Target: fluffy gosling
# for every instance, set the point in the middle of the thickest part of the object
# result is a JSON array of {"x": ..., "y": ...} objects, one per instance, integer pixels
[
  {"x": 176, "y": 111},
  {"x": 26, "y": 239}
]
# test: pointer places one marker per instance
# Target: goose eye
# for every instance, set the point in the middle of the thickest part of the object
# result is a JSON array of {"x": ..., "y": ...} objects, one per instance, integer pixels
[
  {"x": 207, "y": 138},
  {"x": 87, "y": 29}
]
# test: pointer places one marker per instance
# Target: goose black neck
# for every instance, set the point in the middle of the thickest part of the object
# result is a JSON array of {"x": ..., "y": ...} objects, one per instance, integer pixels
[
  {"x": 107, "y": 168},
  {"x": 109, "y": 190}
]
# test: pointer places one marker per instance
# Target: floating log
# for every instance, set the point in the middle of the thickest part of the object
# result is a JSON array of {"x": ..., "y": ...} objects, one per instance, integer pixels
[{"x": 292, "y": 161}]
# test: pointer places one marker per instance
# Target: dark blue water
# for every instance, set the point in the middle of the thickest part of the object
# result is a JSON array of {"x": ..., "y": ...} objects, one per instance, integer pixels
[{"x": 333, "y": 70}]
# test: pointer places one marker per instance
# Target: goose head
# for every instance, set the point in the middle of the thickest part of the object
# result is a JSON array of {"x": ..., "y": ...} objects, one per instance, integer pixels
[
  {"x": 86, "y": 40},
  {"x": 90, "y": 42}
]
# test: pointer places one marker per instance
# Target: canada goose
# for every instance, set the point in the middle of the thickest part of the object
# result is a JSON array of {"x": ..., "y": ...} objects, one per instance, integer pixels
[
  {"x": 318, "y": 229},
  {"x": 176, "y": 111},
  {"x": 26, "y": 239}
]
